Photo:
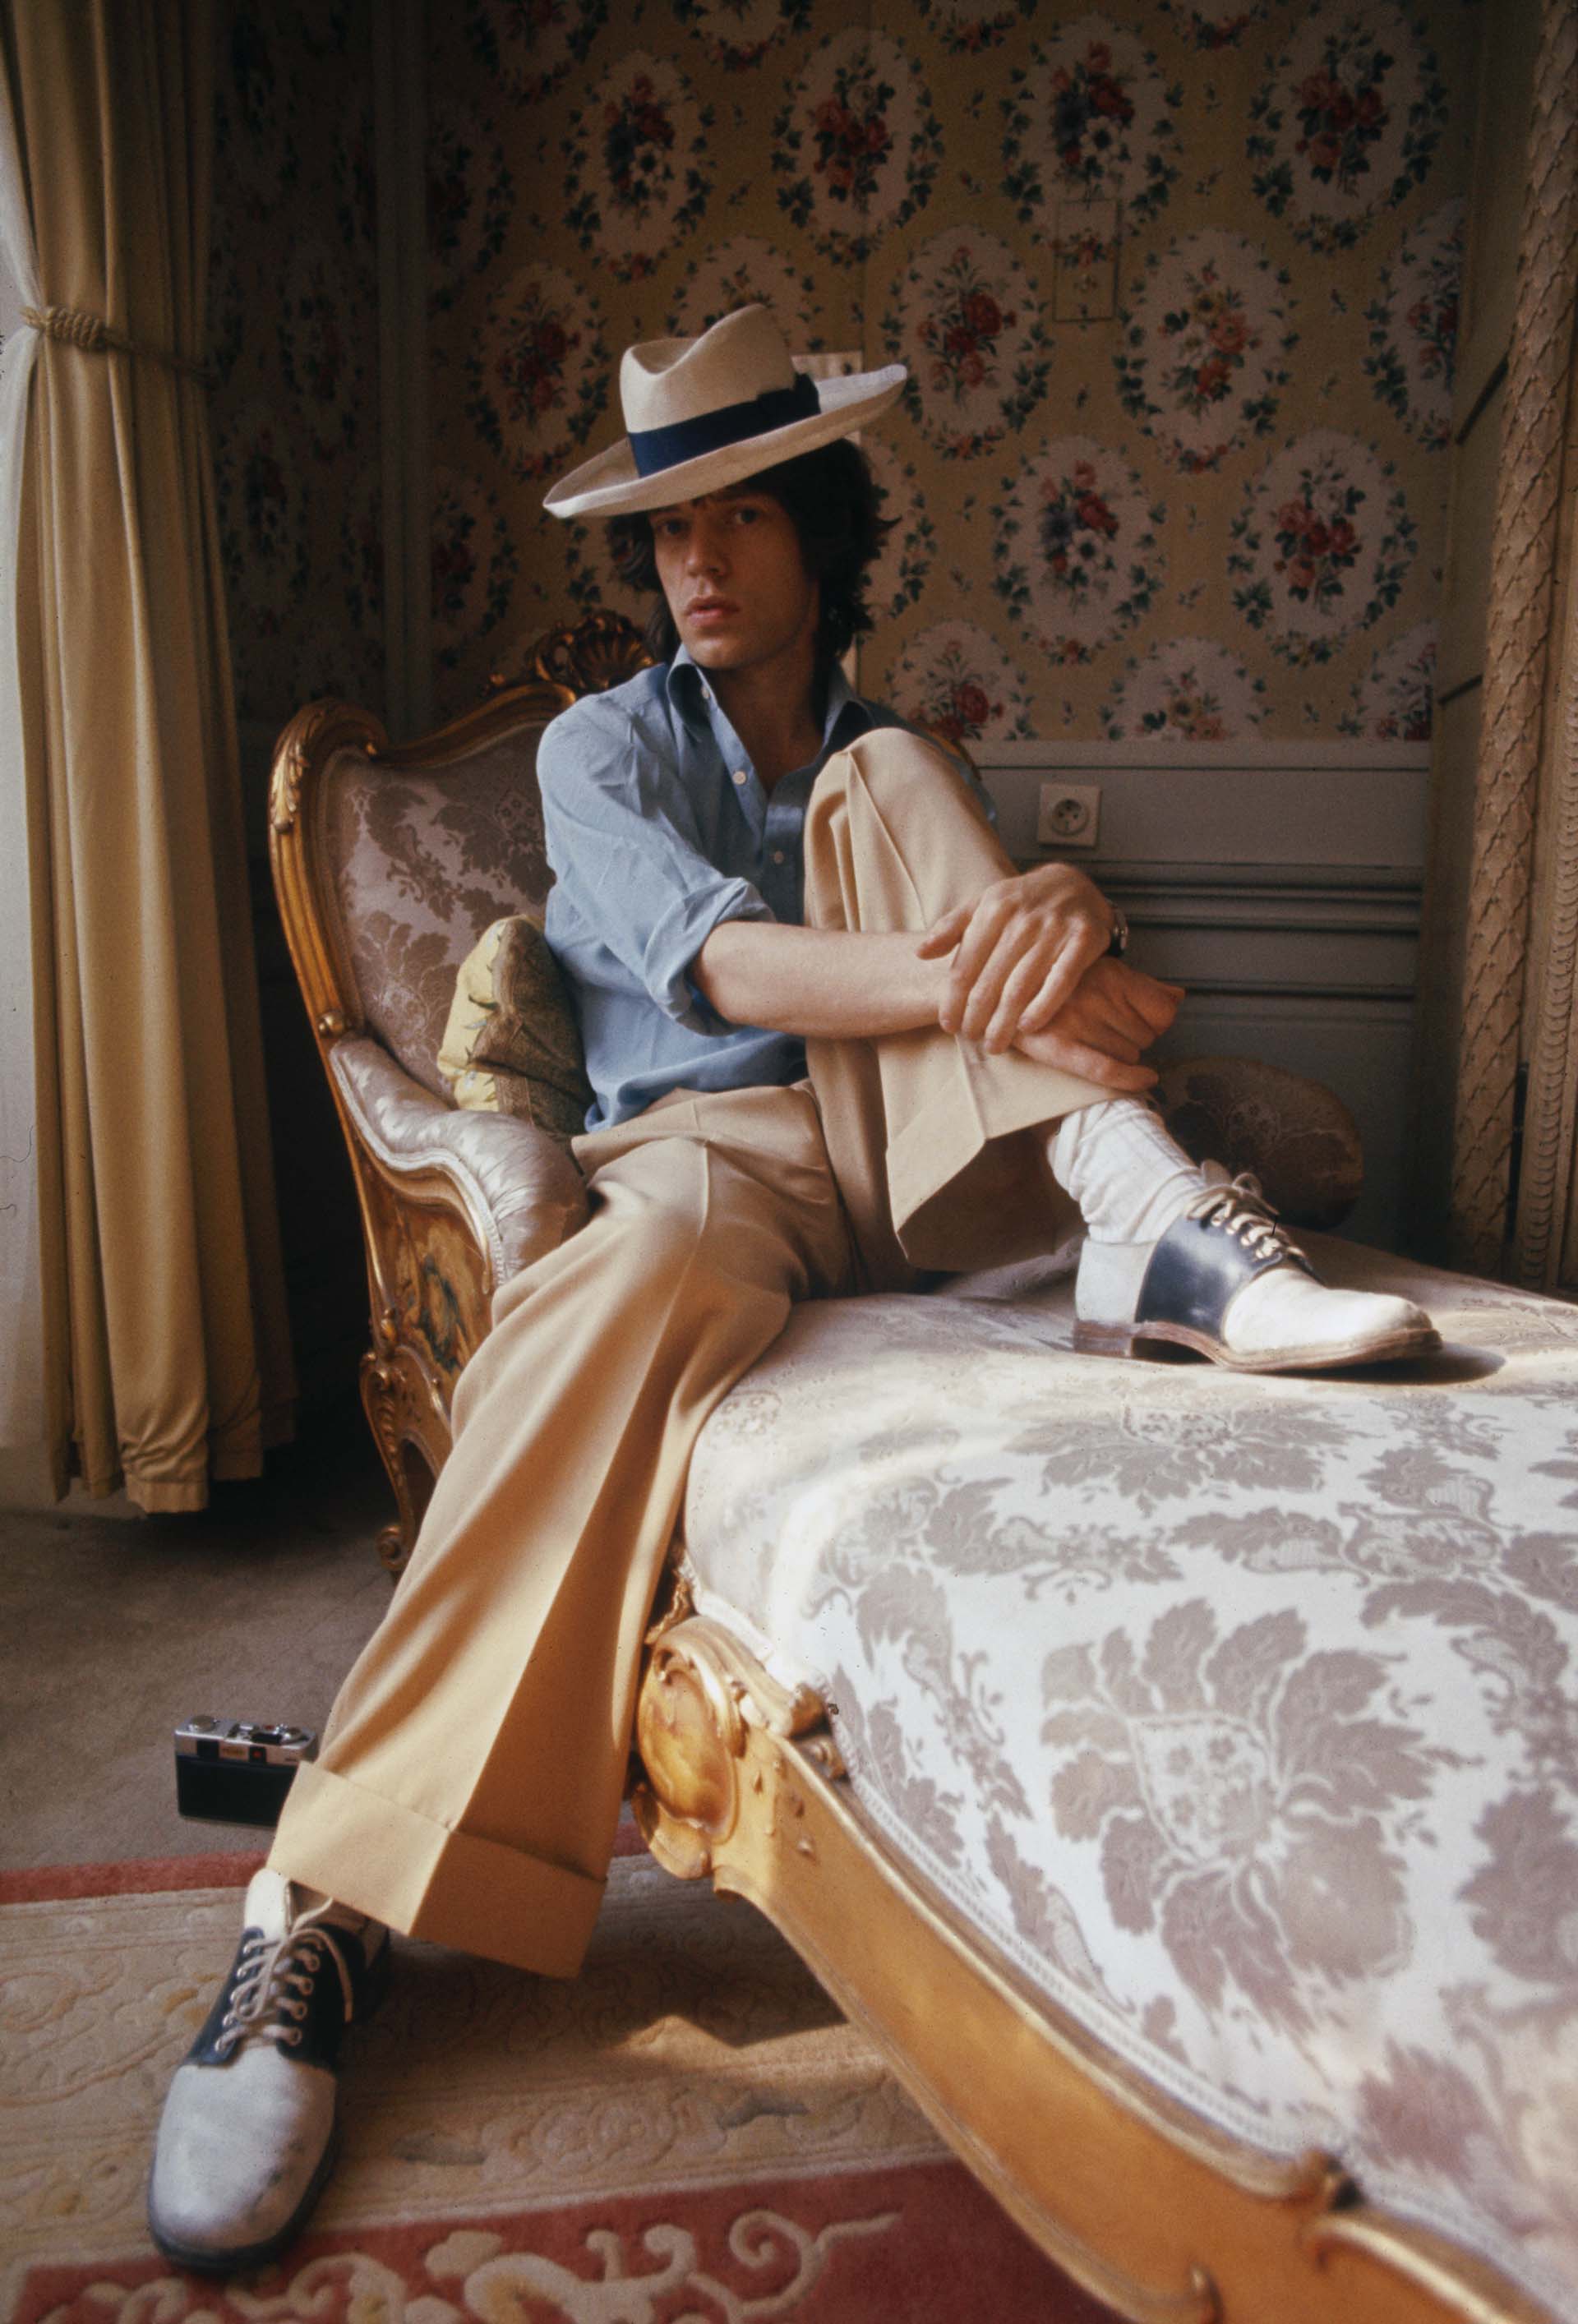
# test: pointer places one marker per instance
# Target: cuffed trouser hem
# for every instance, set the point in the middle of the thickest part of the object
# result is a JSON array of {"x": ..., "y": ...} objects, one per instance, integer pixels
[
  {"x": 990, "y": 1097},
  {"x": 426, "y": 1881}
]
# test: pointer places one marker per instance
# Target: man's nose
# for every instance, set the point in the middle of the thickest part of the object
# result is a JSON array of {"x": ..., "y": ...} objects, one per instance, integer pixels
[{"x": 707, "y": 553}]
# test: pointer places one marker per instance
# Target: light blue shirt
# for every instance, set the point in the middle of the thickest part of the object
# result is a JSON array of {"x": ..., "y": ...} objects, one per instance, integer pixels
[{"x": 657, "y": 831}]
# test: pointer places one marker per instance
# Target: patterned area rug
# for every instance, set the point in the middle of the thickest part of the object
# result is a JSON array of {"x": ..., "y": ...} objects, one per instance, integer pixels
[{"x": 688, "y": 2133}]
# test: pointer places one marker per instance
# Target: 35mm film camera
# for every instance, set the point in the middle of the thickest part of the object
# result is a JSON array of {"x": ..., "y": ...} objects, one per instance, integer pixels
[{"x": 231, "y": 1771}]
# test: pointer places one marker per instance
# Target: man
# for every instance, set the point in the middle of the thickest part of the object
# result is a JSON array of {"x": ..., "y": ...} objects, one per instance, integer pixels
[{"x": 835, "y": 1038}]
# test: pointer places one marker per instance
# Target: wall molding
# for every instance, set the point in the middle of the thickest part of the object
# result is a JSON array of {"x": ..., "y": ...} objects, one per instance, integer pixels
[{"x": 1282, "y": 885}]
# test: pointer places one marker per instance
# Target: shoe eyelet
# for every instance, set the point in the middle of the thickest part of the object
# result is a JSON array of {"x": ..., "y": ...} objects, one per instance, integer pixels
[{"x": 293, "y": 2036}]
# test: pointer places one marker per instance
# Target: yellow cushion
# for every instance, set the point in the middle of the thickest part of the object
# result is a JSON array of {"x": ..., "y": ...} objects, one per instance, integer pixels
[{"x": 512, "y": 1045}]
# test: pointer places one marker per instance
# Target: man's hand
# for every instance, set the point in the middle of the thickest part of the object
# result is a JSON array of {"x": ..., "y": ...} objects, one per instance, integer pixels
[
  {"x": 1116, "y": 1012},
  {"x": 1023, "y": 946}
]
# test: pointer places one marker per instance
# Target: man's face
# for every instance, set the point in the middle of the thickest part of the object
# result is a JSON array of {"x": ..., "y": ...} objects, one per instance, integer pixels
[{"x": 736, "y": 580}]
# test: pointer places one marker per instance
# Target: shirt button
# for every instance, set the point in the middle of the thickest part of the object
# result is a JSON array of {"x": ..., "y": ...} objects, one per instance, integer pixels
[
  {"x": 778, "y": 855},
  {"x": 742, "y": 774}
]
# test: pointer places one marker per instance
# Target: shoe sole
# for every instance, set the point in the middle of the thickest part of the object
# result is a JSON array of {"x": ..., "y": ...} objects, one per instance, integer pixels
[{"x": 1125, "y": 1339}]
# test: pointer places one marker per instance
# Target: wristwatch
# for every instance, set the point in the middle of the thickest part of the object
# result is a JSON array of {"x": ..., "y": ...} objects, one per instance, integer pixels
[{"x": 1118, "y": 943}]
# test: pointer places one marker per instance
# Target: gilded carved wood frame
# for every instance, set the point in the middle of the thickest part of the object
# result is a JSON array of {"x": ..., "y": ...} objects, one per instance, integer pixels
[{"x": 739, "y": 1780}]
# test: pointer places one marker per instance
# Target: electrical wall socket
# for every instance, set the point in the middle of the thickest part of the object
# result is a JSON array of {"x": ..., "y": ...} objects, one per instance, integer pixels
[{"x": 1069, "y": 815}]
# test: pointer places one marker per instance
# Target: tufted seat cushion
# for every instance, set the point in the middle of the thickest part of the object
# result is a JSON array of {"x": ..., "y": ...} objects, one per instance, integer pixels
[{"x": 1240, "y": 1713}]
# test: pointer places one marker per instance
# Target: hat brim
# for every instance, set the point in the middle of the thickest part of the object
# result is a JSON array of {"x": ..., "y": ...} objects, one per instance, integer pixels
[{"x": 609, "y": 484}]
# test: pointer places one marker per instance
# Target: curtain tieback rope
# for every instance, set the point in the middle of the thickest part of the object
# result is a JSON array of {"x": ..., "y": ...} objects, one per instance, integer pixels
[{"x": 75, "y": 327}]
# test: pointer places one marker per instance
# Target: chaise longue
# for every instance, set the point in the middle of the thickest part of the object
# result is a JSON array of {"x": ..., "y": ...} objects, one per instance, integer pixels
[{"x": 1174, "y": 1772}]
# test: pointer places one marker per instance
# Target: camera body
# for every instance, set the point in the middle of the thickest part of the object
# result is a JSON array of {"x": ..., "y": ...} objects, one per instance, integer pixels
[{"x": 237, "y": 1771}]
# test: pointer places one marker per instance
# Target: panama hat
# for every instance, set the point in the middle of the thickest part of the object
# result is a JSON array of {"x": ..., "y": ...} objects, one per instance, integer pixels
[{"x": 706, "y": 412}]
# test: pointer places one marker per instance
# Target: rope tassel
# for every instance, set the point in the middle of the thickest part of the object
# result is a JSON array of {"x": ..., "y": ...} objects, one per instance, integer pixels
[{"x": 75, "y": 327}]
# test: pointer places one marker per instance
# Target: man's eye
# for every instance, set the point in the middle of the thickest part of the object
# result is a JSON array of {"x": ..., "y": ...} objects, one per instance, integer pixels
[{"x": 745, "y": 515}]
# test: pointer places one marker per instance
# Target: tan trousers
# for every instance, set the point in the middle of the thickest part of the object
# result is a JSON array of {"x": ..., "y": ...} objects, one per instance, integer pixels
[{"x": 470, "y": 1777}]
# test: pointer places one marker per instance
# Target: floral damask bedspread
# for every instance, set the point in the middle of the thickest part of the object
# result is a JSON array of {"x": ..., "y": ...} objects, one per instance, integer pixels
[{"x": 1241, "y": 1714}]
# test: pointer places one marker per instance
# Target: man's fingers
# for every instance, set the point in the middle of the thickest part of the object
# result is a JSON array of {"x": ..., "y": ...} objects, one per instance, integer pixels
[
  {"x": 1093, "y": 1066},
  {"x": 977, "y": 946},
  {"x": 1030, "y": 978},
  {"x": 990, "y": 916},
  {"x": 1054, "y": 995},
  {"x": 944, "y": 934}
]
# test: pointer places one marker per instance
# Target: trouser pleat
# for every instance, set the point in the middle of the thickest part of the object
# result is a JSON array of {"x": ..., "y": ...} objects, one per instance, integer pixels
[{"x": 470, "y": 1774}]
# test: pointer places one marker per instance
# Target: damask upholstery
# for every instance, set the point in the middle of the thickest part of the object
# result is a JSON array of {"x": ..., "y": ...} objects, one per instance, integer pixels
[
  {"x": 423, "y": 863},
  {"x": 520, "y": 1183},
  {"x": 1241, "y": 1714}
]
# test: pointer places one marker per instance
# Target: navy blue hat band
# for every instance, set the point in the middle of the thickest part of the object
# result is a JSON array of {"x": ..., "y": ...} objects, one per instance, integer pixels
[{"x": 657, "y": 448}]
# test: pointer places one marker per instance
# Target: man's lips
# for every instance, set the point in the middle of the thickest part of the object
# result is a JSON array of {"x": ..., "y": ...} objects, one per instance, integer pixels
[{"x": 711, "y": 609}]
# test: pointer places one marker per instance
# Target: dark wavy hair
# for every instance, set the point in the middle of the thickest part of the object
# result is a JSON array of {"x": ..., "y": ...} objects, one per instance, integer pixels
[{"x": 832, "y": 500}]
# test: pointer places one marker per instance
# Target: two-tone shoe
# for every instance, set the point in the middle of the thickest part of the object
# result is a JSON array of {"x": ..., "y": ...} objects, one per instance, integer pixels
[
  {"x": 248, "y": 2133},
  {"x": 1226, "y": 1280}
]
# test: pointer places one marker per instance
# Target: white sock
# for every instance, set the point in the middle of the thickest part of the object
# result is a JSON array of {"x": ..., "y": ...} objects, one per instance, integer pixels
[
  {"x": 1130, "y": 1178},
  {"x": 305, "y": 1900}
]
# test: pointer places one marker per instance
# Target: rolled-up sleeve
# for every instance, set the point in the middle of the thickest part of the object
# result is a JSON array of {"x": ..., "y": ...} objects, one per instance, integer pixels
[{"x": 630, "y": 871}]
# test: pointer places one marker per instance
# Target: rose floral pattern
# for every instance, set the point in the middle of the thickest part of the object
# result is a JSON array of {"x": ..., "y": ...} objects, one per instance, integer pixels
[
  {"x": 355, "y": 184},
  {"x": 1348, "y": 122},
  {"x": 837, "y": 155},
  {"x": 857, "y": 144},
  {"x": 470, "y": 195},
  {"x": 1077, "y": 546},
  {"x": 257, "y": 106},
  {"x": 1089, "y": 116},
  {"x": 1396, "y": 703},
  {"x": 1188, "y": 690},
  {"x": 738, "y": 33},
  {"x": 967, "y": 30},
  {"x": 1200, "y": 361},
  {"x": 1212, "y": 29},
  {"x": 475, "y": 564},
  {"x": 734, "y": 273},
  {"x": 1240, "y": 1714},
  {"x": 526, "y": 47},
  {"x": 1323, "y": 542},
  {"x": 637, "y": 165},
  {"x": 898, "y": 575},
  {"x": 542, "y": 377},
  {"x": 226, "y": 305},
  {"x": 361, "y": 554},
  {"x": 968, "y": 321},
  {"x": 1413, "y": 327},
  {"x": 957, "y": 680},
  {"x": 262, "y": 507},
  {"x": 321, "y": 356}
]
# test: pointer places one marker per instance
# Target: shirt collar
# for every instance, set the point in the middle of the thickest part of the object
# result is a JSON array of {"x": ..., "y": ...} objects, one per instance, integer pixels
[{"x": 690, "y": 695}]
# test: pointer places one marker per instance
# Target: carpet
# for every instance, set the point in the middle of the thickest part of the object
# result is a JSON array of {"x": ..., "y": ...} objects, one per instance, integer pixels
[{"x": 686, "y": 2134}]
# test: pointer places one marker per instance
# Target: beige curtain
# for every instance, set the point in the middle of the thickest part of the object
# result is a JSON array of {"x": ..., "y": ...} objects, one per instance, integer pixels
[
  {"x": 1514, "y": 1199},
  {"x": 165, "y": 1339}
]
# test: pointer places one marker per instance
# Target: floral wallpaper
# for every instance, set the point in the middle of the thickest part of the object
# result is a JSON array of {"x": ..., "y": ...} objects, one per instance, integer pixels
[
  {"x": 293, "y": 345},
  {"x": 1177, "y": 285}
]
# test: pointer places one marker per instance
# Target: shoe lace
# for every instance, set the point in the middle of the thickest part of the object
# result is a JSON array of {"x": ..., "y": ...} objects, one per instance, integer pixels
[
  {"x": 1240, "y": 1208},
  {"x": 274, "y": 1980}
]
